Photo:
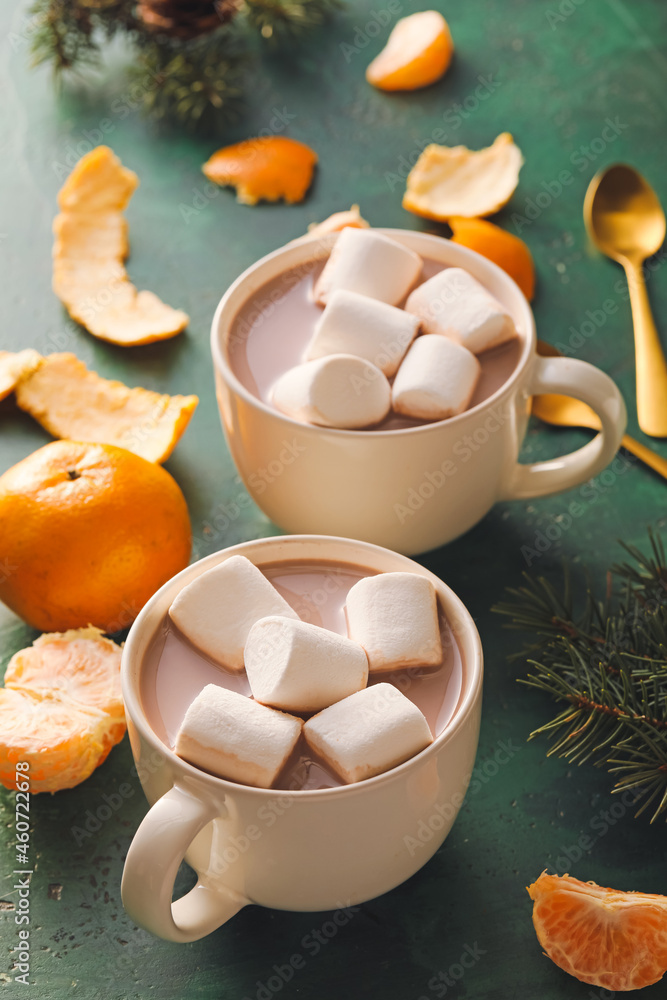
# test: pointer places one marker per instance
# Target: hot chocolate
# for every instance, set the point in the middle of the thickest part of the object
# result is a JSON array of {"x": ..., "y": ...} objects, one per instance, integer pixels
[
  {"x": 175, "y": 672},
  {"x": 272, "y": 330}
]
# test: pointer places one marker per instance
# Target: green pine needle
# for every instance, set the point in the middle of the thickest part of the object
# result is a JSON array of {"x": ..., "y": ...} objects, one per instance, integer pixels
[
  {"x": 196, "y": 79},
  {"x": 607, "y": 664}
]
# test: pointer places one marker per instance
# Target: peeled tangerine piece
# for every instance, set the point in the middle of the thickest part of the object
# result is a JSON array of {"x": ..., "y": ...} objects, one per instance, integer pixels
[
  {"x": 230, "y": 735},
  {"x": 355, "y": 324},
  {"x": 14, "y": 367},
  {"x": 371, "y": 264},
  {"x": 264, "y": 169},
  {"x": 503, "y": 248},
  {"x": 217, "y": 610},
  {"x": 394, "y": 616},
  {"x": 340, "y": 390},
  {"x": 61, "y": 710},
  {"x": 72, "y": 402},
  {"x": 88, "y": 253},
  {"x": 417, "y": 53},
  {"x": 449, "y": 181},
  {"x": 301, "y": 667},
  {"x": 436, "y": 380},
  {"x": 368, "y": 733},
  {"x": 453, "y": 304}
]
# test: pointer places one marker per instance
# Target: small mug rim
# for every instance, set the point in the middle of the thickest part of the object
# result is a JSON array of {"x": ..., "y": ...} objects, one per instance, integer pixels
[
  {"x": 221, "y": 364},
  {"x": 470, "y": 695}
]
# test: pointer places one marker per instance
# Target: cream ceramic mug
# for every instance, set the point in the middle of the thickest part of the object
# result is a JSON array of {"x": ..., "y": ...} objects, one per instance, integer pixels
[
  {"x": 408, "y": 489},
  {"x": 318, "y": 849}
]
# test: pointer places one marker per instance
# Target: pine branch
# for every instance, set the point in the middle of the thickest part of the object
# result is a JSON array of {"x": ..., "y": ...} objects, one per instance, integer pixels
[
  {"x": 195, "y": 80},
  {"x": 281, "y": 20},
  {"x": 608, "y": 666},
  {"x": 63, "y": 35}
]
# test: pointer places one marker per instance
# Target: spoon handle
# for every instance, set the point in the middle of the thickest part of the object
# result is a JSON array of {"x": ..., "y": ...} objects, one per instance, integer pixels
[
  {"x": 645, "y": 455},
  {"x": 651, "y": 367}
]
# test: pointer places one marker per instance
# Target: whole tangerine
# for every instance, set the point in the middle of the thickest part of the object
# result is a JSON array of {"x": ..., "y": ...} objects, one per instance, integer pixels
[{"x": 88, "y": 533}]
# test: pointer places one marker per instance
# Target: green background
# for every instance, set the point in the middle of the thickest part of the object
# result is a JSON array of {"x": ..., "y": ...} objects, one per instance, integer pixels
[{"x": 558, "y": 72}]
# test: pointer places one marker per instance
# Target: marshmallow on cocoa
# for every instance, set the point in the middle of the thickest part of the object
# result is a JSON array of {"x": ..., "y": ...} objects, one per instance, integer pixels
[
  {"x": 436, "y": 379},
  {"x": 368, "y": 733},
  {"x": 394, "y": 616},
  {"x": 356, "y": 324},
  {"x": 454, "y": 304},
  {"x": 235, "y": 737},
  {"x": 217, "y": 610},
  {"x": 300, "y": 667},
  {"x": 369, "y": 263},
  {"x": 340, "y": 390}
]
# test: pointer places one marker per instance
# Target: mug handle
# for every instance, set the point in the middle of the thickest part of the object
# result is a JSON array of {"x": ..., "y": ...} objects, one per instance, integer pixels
[
  {"x": 152, "y": 862},
  {"x": 570, "y": 377}
]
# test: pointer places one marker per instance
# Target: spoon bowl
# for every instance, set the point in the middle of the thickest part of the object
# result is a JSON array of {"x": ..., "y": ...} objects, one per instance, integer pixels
[
  {"x": 623, "y": 214},
  {"x": 626, "y": 222}
]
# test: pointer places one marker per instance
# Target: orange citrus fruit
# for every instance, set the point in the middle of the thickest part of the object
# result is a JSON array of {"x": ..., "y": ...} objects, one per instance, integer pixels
[
  {"x": 61, "y": 710},
  {"x": 88, "y": 532},
  {"x": 503, "y": 248},
  {"x": 264, "y": 169},
  {"x": 417, "y": 53},
  {"x": 616, "y": 940}
]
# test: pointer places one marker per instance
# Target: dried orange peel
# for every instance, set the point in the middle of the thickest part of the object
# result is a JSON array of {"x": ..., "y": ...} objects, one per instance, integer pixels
[
  {"x": 70, "y": 401},
  {"x": 496, "y": 244},
  {"x": 449, "y": 181},
  {"x": 268, "y": 168},
  {"x": 418, "y": 52},
  {"x": 334, "y": 223},
  {"x": 90, "y": 246},
  {"x": 615, "y": 940},
  {"x": 61, "y": 710},
  {"x": 14, "y": 366}
]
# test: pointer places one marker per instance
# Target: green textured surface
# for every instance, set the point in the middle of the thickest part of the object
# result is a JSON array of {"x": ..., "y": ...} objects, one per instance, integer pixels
[{"x": 559, "y": 70}]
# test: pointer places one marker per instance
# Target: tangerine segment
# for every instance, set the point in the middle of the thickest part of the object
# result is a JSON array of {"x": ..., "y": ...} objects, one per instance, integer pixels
[
  {"x": 89, "y": 533},
  {"x": 264, "y": 169},
  {"x": 70, "y": 401},
  {"x": 14, "y": 367},
  {"x": 88, "y": 254},
  {"x": 418, "y": 52},
  {"x": 616, "y": 940},
  {"x": 80, "y": 665},
  {"x": 448, "y": 181},
  {"x": 63, "y": 742},
  {"x": 496, "y": 244}
]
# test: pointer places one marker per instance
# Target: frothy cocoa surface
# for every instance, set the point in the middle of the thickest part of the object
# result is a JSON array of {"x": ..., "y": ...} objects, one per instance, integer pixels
[{"x": 174, "y": 672}]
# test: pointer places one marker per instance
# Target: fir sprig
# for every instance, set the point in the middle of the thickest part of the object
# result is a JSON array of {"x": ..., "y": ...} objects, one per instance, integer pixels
[
  {"x": 277, "y": 20},
  {"x": 194, "y": 78},
  {"x": 607, "y": 665}
]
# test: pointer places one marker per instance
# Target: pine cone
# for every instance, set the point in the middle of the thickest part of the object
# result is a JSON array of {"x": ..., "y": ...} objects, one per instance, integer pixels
[{"x": 186, "y": 18}]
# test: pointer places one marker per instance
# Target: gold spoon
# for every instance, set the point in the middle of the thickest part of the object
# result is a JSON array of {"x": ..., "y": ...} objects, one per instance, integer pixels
[
  {"x": 567, "y": 412},
  {"x": 626, "y": 222}
]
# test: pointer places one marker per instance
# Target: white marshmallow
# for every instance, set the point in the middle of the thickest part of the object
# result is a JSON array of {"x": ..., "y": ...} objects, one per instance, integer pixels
[
  {"x": 356, "y": 324},
  {"x": 368, "y": 733},
  {"x": 394, "y": 616},
  {"x": 453, "y": 304},
  {"x": 217, "y": 610},
  {"x": 234, "y": 737},
  {"x": 370, "y": 263},
  {"x": 436, "y": 380},
  {"x": 340, "y": 390},
  {"x": 301, "y": 667}
]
